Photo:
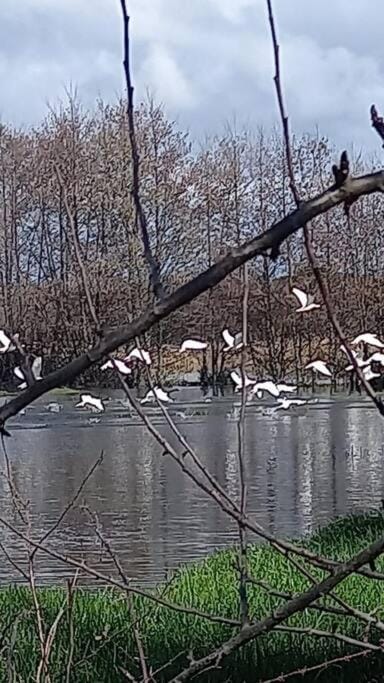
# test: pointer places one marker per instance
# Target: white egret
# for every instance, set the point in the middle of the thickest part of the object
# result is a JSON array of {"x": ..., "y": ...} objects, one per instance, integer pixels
[
  {"x": 157, "y": 392},
  {"x": 92, "y": 402},
  {"x": 275, "y": 389},
  {"x": 36, "y": 372},
  {"x": 193, "y": 345},
  {"x": 307, "y": 301},
  {"x": 120, "y": 366},
  {"x": 286, "y": 403},
  {"x": 233, "y": 342},
  {"x": 140, "y": 354},
  {"x": 238, "y": 380},
  {"x": 320, "y": 367},
  {"x": 368, "y": 338},
  {"x": 6, "y": 342}
]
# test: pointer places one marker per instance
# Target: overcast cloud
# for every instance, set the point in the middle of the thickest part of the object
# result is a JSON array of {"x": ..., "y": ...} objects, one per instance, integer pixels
[{"x": 207, "y": 61}]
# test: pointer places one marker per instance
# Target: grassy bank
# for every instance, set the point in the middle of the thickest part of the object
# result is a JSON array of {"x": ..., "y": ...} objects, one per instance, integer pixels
[{"x": 103, "y": 638}]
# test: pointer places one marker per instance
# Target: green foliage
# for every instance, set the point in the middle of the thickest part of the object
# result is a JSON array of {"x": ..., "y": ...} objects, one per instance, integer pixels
[{"x": 103, "y": 639}]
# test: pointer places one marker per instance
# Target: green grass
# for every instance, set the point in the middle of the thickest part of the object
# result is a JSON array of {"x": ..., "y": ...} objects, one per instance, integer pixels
[{"x": 103, "y": 637}]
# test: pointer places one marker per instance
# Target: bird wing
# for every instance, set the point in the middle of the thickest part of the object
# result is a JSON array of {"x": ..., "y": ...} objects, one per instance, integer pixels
[
  {"x": 18, "y": 372},
  {"x": 301, "y": 296},
  {"x": 106, "y": 365},
  {"x": 36, "y": 367},
  {"x": 229, "y": 340},
  {"x": 272, "y": 388},
  {"x": 4, "y": 340},
  {"x": 194, "y": 344},
  {"x": 235, "y": 377},
  {"x": 321, "y": 367},
  {"x": 146, "y": 357},
  {"x": 289, "y": 388},
  {"x": 374, "y": 341},
  {"x": 122, "y": 367}
]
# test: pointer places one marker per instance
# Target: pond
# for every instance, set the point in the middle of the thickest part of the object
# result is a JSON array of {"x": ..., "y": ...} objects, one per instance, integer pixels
[{"x": 303, "y": 468}]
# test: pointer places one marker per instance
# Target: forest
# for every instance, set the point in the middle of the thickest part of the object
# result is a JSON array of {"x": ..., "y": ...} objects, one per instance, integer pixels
[{"x": 65, "y": 188}]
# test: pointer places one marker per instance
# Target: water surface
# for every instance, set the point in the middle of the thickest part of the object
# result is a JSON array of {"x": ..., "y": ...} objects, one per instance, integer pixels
[{"x": 302, "y": 469}]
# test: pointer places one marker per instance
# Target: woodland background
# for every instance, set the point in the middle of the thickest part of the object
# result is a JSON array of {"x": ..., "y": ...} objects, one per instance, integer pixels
[{"x": 199, "y": 200}]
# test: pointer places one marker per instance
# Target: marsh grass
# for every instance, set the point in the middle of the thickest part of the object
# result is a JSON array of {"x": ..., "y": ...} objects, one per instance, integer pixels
[{"x": 103, "y": 638}]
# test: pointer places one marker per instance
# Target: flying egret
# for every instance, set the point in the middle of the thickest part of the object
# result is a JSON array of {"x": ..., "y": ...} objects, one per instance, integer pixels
[
  {"x": 6, "y": 342},
  {"x": 238, "y": 381},
  {"x": 140, "y": 354},
  {"x": 233, "y": 342},
  {"x": 368, "y": 338},
  {"x": 92, "y": 402},
  {"x": 275, "y": 389},
  {"x": 286, "y": 403},
  {"x": 193, "y": 345},
  {"x": 36, "y": 372},
  {"x": 307, "y": 301},
  {"x": 157, "y": 392},
  {"x": 120, "y": 366},
  {"x": 319, "y": 366}
]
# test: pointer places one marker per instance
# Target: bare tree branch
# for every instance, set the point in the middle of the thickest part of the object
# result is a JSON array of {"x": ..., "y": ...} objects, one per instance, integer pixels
[{"x": 140, "y": 213}]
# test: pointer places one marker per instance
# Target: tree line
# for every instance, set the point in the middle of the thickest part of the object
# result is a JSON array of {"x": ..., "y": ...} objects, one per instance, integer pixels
[{"x": 65, "y": 185}]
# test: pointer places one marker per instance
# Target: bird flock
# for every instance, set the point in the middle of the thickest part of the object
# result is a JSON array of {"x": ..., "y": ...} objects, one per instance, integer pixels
[{"x": 233, "y": 342}]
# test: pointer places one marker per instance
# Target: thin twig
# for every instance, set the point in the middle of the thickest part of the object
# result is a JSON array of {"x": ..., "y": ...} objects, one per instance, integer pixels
[
  {"x": 297, "y": 604},
  {"x": 318, "y": 667},
  {"x": 105, "y": 543},
  {"x": 242, "y": 557},
  {"x": 309, "y": 631}
]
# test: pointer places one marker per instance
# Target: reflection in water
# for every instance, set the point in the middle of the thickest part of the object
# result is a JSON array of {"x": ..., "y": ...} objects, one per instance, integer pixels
[{"x": 301, "y": 469}]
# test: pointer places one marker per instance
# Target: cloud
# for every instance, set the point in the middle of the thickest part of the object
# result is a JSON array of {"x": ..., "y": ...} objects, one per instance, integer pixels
[
  {"x": 206, "y": 60},
  {"x": 161, "y": 73}
]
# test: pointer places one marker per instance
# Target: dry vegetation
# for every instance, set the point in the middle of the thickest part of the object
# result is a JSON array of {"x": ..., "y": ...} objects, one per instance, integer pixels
[{"x": 65, "y": 185}]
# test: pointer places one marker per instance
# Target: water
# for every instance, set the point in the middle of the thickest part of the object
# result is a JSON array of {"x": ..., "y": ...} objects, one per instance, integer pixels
[{"x": 302, "y": 469}]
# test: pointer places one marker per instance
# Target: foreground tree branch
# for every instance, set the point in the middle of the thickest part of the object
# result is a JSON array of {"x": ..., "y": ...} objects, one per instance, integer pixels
[{"x": 265, "y": 244}]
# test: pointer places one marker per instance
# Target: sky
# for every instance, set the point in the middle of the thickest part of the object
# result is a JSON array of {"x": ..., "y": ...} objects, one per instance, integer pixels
[{"x": 209, "y": 62}]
